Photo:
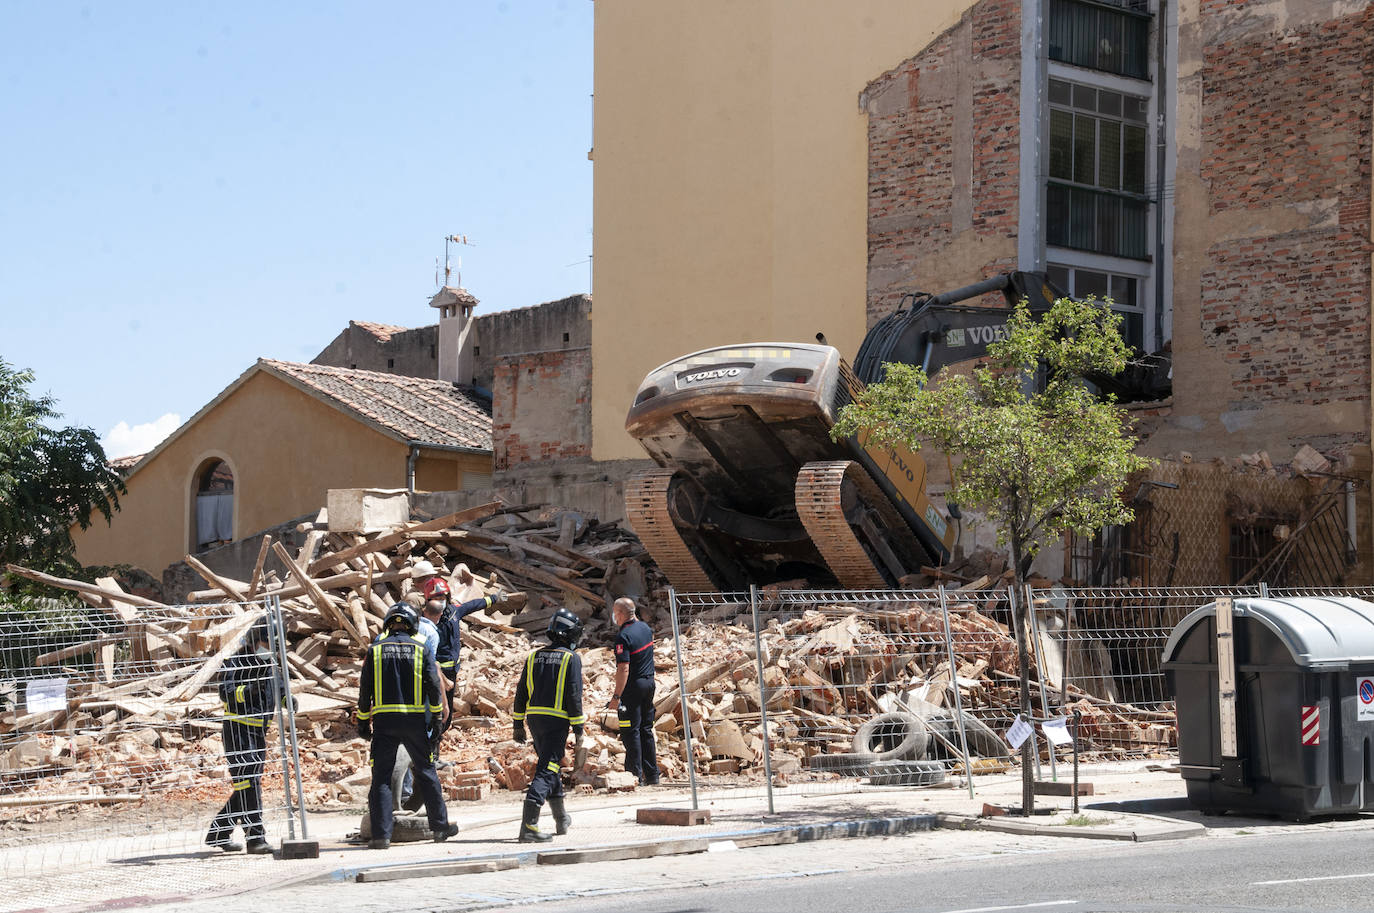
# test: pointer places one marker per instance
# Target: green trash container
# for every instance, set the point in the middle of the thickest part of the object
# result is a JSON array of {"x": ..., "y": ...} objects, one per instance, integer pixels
[{"x": 1300, "y": 706}]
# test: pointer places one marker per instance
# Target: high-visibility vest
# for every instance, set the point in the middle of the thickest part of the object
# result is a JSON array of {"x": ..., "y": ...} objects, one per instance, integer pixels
[
  {"x": 399, "y": 677},
  {"x": 551, "y": 685}
]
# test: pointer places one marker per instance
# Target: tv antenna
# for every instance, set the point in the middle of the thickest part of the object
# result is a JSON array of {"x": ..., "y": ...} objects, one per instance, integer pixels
[{"x": 465, "y": 241}]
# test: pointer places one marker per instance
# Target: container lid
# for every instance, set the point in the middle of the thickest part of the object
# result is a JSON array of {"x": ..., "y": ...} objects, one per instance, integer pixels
[{"x": 1320, "y": 632}]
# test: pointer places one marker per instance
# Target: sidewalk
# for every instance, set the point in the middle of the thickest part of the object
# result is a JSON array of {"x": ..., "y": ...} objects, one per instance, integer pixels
[{"x": 604, "y": 828}]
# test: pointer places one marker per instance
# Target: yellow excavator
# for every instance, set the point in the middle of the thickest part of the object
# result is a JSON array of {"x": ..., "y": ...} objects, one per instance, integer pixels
[{"x": 750, "y": 487}]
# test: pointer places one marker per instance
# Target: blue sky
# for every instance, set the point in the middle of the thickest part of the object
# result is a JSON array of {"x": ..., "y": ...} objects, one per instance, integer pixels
[{"x": 185, "y": 187}]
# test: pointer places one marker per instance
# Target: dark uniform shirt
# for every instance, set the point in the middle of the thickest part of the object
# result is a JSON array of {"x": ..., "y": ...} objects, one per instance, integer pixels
[
  {"x": 551, "y": 686},
  {"x": 246, "y": 688},
  {"x": 449, "y": 642},
  {"x": 399, "y": 678},
  {"x": 635, "y": 645}
]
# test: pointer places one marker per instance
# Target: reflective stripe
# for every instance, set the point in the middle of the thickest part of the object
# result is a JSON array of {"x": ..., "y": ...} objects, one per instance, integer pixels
[
  {"x": 448, "y": 664},
  {"x": 642, "y": 649},
  {"x": 553, "y": 766},
  {"x": 244, "y": 720},
  {"x": 238, "y": 694},
  {"x": 624, "y": 724},
  {"x": 419, "y": 671},
  {"x": 529, "y": 675},
  {"x": 241, "y": 785},
  {"x": 562, "y": 679}
]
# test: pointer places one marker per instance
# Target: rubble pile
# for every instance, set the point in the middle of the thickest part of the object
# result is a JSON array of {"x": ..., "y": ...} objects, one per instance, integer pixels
[{"x": 827, "y": 668}]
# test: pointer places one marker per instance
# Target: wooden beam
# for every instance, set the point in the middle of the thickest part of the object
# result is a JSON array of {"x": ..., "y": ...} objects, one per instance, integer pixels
[
  {"x": 235, "y": 589},
  {"x": 255, "y": 582},
  {"x": 320, "y": 598},
  {"x": 189, "y": 687},
  {"x": 390, "y": 540},
  {"x": 524, "y": 570},
  {"x": 78, "y": 586}
]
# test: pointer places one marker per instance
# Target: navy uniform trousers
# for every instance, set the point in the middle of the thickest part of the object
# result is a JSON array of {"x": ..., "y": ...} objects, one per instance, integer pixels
[
  {"x": 550, "y": 737},
  {"x": 388, "y": 735},
  {"x": 245, "y": 750}
]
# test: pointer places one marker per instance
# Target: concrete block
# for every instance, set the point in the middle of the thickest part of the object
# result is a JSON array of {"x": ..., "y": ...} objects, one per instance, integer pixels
[
  {"x": 676, "y": 816},
  {"x": 1049, "y": 788},
  {"x": 300, "y": 849},
  {"x": 367, "y": 510}
]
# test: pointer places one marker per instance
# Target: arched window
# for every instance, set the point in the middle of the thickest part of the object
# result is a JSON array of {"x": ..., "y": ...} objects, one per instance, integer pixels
[{"x": 214, "y": 514}]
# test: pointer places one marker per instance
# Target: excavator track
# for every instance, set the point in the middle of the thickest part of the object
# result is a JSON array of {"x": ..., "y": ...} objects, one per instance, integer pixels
[
  {"x": 646, "y": 508},
  {"x": 819, "y": 494}
]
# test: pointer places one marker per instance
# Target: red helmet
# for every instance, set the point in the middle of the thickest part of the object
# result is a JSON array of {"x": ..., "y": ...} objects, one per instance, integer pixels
[{"x": 437, "y": 588}]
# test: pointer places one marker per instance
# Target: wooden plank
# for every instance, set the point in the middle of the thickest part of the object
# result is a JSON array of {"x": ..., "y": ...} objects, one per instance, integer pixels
[
  {"x": 255, "y": 582},
  {"x": 193, "y": 684},
  {"x": 319, "y": 597},
  {"x": 529, "y": 573},
  {"x": 634, "y": 851},
  {"x": 78, "y": 586},
  {"x": 235, "y": 589},
  {"x": 438, "y": 869},
  {"x": 90, "y": 646},
  {"x": 390, "y": 540}
]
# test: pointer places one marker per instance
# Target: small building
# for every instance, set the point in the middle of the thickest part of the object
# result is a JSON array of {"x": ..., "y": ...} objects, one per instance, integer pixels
[{"x": 275, "y": 441}]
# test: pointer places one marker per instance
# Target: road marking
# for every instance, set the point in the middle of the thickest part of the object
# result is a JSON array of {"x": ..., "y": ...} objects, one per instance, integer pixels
[
  {"x": 1020, "y": 906},
  {"x": 1315, "y": 878}
]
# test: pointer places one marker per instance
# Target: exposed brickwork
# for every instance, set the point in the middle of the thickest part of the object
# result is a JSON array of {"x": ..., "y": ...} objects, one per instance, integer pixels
[
  {"x": 542, "y": 407},
  {"x": 1286, "y": 123},
  {"x": 934, "y": 154}
]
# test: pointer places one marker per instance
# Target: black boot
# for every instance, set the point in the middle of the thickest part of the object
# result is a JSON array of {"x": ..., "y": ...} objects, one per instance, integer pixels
[
  {"x": 529, "y": 827},
  {"x": 561, "y": 819}
]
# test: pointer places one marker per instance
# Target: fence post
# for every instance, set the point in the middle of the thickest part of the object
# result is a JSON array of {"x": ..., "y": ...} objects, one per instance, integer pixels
[
  {"x": 286, "y": 720},
  {"x": 1040, "y": 661},
  {"x": 763, "y": 694},
  {"x": 682, "y": 695},
  {"x": 958, "y": 699}
]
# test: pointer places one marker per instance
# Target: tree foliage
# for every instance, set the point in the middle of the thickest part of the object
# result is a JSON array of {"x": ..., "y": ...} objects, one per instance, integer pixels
[
  {"x": 51, "y": 478},
  {"x": 1040, "y": 452}
]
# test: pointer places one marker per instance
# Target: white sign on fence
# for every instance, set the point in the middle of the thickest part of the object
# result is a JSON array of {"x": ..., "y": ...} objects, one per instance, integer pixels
[
  {"x": 1057, "y": 731},
  {"x": 44, "y": 694},
  {"x": 1020, "y": 731}
]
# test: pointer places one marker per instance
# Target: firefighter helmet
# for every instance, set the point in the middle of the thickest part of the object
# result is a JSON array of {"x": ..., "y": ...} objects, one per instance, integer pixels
[
  {"x": 565, "y": 629},
  {"x": 403, "y": 613},
  {"x": 437, "y": 588}
]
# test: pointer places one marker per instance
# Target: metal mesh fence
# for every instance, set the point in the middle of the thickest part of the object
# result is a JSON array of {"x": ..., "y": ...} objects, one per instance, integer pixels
[
  {"x": 917, "y": 687},
  {"x": 112, "y": 731}
]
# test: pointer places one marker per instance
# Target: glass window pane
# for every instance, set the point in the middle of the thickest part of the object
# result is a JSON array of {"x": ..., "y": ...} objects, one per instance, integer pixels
[
  {"x": 1133, "y": 329},
  {"x": 1059, "y": 276},
  {"x": 1061, "y": 145},
  {"x": 1084, "y": 149},
  {"x": 1124, "y": 291},
  {"x": 1085, "y": 97},
  {"x": 1133, "y": 159},
  {"x": 1082, "y": 219},
  {"x": 1109, "y": 102},
  {"x": 1109, "y": 155},
  {"x": 1137, "y": 109},
  {"x": 1089, "y": 283},
  {"x": 1061, "y": 93},
  {"x": 1057, "y": 215}
]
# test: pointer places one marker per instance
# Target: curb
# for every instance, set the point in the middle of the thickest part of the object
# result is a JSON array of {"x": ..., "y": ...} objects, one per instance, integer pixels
[
  {"x": 752, "y": 837},
  {"x": 1165, "y": 831}
]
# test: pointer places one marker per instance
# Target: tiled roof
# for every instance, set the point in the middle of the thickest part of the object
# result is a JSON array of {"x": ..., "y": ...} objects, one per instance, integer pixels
[
  {"x": 382, "y": 331},
  {"x": 424, "y": 410},
  {"x": 125, "y": 463}
]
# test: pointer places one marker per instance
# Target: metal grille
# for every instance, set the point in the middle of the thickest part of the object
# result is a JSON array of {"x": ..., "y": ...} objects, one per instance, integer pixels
[{"x": 110, "y": 733}]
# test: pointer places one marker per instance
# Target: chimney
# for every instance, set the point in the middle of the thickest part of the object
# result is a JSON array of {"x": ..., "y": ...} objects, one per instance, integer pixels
[{"x": 455, "y": 333}]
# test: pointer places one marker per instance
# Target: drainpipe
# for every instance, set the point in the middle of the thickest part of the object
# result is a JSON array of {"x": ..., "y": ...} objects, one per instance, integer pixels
[
  {"x": 1352, "y": 551},
  {"x": 1161, "y": 141},
  {"x": 410, "y": 468}
]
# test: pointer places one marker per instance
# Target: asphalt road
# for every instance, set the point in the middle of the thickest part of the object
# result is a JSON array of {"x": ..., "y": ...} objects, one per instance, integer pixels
[{"x": 1290, "y": 869}]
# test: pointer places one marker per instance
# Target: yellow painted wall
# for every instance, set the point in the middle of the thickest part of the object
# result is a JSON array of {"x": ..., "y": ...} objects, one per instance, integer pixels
[
  {"x": 437, "y": 470},
  {"x": 285, "y": 448},
  {"x": 731, "y": 177}
]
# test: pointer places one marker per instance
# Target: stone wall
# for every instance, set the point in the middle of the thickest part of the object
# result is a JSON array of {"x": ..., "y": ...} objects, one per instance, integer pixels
[
  {"x": 541, "y": 407},
  {"x": 944, "y": 140}
]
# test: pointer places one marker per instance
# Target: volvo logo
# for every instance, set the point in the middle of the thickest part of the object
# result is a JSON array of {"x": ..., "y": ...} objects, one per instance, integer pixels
[{"x": 716, "y": 374}]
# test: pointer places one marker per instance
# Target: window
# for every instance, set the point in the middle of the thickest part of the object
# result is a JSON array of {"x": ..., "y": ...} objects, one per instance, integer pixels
[
  {"x": 1123, "y": 290},
  {"x": 1251, "y": 542},
  {"x": 214, "y": 505},
  {"x": 391, "y": 364},
  {"x": 1108, "y": 35},
  {"x": 1097, "y": 171}
]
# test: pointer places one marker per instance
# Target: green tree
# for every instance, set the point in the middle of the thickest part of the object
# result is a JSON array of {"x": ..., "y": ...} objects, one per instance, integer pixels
[
  {"x": 51, "y": 478},
  {"x": 1039, "y": 452}
]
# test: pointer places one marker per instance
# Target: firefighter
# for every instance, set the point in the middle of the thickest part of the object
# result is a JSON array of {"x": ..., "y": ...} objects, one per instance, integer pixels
[
  {"x": 440, "y": 610},
  {"x": 399, "y": 703},
  {"x": 633, "y": 699},
  {"x": 549, "y": 696},
  {"x": 248, "y": 689}
]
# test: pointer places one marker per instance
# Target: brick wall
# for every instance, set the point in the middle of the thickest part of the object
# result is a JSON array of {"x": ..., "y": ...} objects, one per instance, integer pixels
[
  {"x": 541, "y": 408},
  {"x": 943, "y": 144},
  {"x": 1286, "y": 126}
]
